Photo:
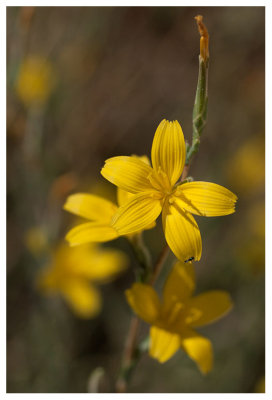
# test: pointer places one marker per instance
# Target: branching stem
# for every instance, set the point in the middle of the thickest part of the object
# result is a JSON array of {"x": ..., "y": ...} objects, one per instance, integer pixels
[{"x": 132, "y": 352}]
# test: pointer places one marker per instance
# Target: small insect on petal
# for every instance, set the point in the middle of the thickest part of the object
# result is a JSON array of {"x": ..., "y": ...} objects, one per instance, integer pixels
[{"x": 189, "y": 259}]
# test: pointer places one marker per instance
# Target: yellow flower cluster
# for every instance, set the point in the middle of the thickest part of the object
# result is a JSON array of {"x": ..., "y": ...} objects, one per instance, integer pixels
[
  {"x": 74, "y": 272},
  {"x": 100, "y": 212},
  {"x": 144, "y": 192},
  {"x": 35, "y": 81},
  {"x": 173, "y": 320}
]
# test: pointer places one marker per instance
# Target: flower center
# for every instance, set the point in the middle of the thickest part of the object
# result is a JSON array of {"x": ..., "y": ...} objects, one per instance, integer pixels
[
  {"x": 172, "y": 312},
  {"x": 160, "y": 182}
]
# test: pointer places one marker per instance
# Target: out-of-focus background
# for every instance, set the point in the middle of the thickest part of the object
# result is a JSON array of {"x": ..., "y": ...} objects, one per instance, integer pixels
[{"x": 85, "y": 84}]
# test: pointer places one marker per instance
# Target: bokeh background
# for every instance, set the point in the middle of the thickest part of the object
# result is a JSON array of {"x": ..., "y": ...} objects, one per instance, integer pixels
[{"x": 84, "y": 84}]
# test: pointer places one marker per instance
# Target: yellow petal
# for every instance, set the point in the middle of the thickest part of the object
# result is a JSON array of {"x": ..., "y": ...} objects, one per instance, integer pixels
[
  {"x": 206, "y": 199},
  {"x": 180, "y": 284},
  {"x": 137, "y": 214},
  {"x": 106, "y": 264},
  {"x": 91, "y": 232},
  {"x": 51, "y": 277},
  {"x": 145, "y": 159},
  {"x": 93, "y": 262},
  {"x": 144, "y": 301},
  {"x": 128, "y": 173},
  {"x": 67, "y": 258},
  {"x": 123, "y": 196},
  {"x": 208, "y": 307},
  {"x": 182, "y": 233},
  {"x": 91, "y": 207},
  {"x": 47, "y": 280},
  {"x": 199, "y": 349},
  {"x": 168, "y": 150},
  {"x": 163, "y": 344},
  {"x": 83, "y": 298}
]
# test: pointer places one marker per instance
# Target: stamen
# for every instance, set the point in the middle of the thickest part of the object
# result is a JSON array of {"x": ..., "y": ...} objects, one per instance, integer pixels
[
  {"x": 178, "y": 191},
  {"x": 154, "y": 180},
  {"x": 160, "y": 181},
  {"x": 194, "y": 315},
  {"x": 164, "y": 181},
  {"x": 156, "y": 195},
  {"x": 174, "y": 313}
]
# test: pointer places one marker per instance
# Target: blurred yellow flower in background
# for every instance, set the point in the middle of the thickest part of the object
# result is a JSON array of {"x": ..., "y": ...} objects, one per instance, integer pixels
[
  {"x": 246, "y": 169},
  {"x": 251, "y": 250},
  {"x": 100, "y": 212},
  {"x": 246, "y": 173},
  {"x": 35, "y": 81},
  {"x": 173, "y": 320},
  {"x": 260, "y": 386},
  {"x": 74, "y": 271},
  {"x": 156, "y": 190},
  {"x": 36, "y": 240}
]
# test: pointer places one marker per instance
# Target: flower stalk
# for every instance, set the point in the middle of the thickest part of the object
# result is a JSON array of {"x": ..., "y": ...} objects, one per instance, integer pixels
[
  {"x": 130, "y": 356},
  {"x": 127, "y": 369},
  {"x": 142, "y": 254},
  {"x": 132, "y": 352},
  {"x": 201, "y": 98},
  {"x": 159, "y": 264}
]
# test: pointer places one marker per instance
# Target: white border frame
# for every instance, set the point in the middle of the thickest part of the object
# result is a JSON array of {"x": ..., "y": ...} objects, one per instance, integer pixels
[{"x": 185, "y": 3}]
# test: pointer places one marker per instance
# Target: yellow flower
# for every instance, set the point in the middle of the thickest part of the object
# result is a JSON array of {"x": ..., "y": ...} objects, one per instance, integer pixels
[
  {"x": 73, "y": 272},
  {"x": 173, "y": 320},
  {"x": 35, "y": 81},
  {"x": 251, "y": 235},
  {"x": 36, "y": 240},
  {"x": 100, "y": 212},
  {"x": 156, "y": 189},
  {"x": 239, "y": 171}
]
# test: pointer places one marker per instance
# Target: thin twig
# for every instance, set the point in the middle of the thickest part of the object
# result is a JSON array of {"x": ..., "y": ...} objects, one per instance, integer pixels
[
  {"x": 158, "y": 266},
  {"x": 201, "y": 97},
  {"x": 122, "y": 381},
  {"x": 185, "y": 172},
  {"x": 129, "y": 348},
  {"x": 131, "y": 356}
]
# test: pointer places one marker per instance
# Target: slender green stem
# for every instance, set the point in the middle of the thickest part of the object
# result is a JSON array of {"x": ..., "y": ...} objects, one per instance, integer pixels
[
  {"x": 201, "y": 98},
  {"x": 159, "y": 264},
  {"x": 143, "y": 256},
  {"x": 132, "y": 351},
  {"x": 130, "y": 356}
]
